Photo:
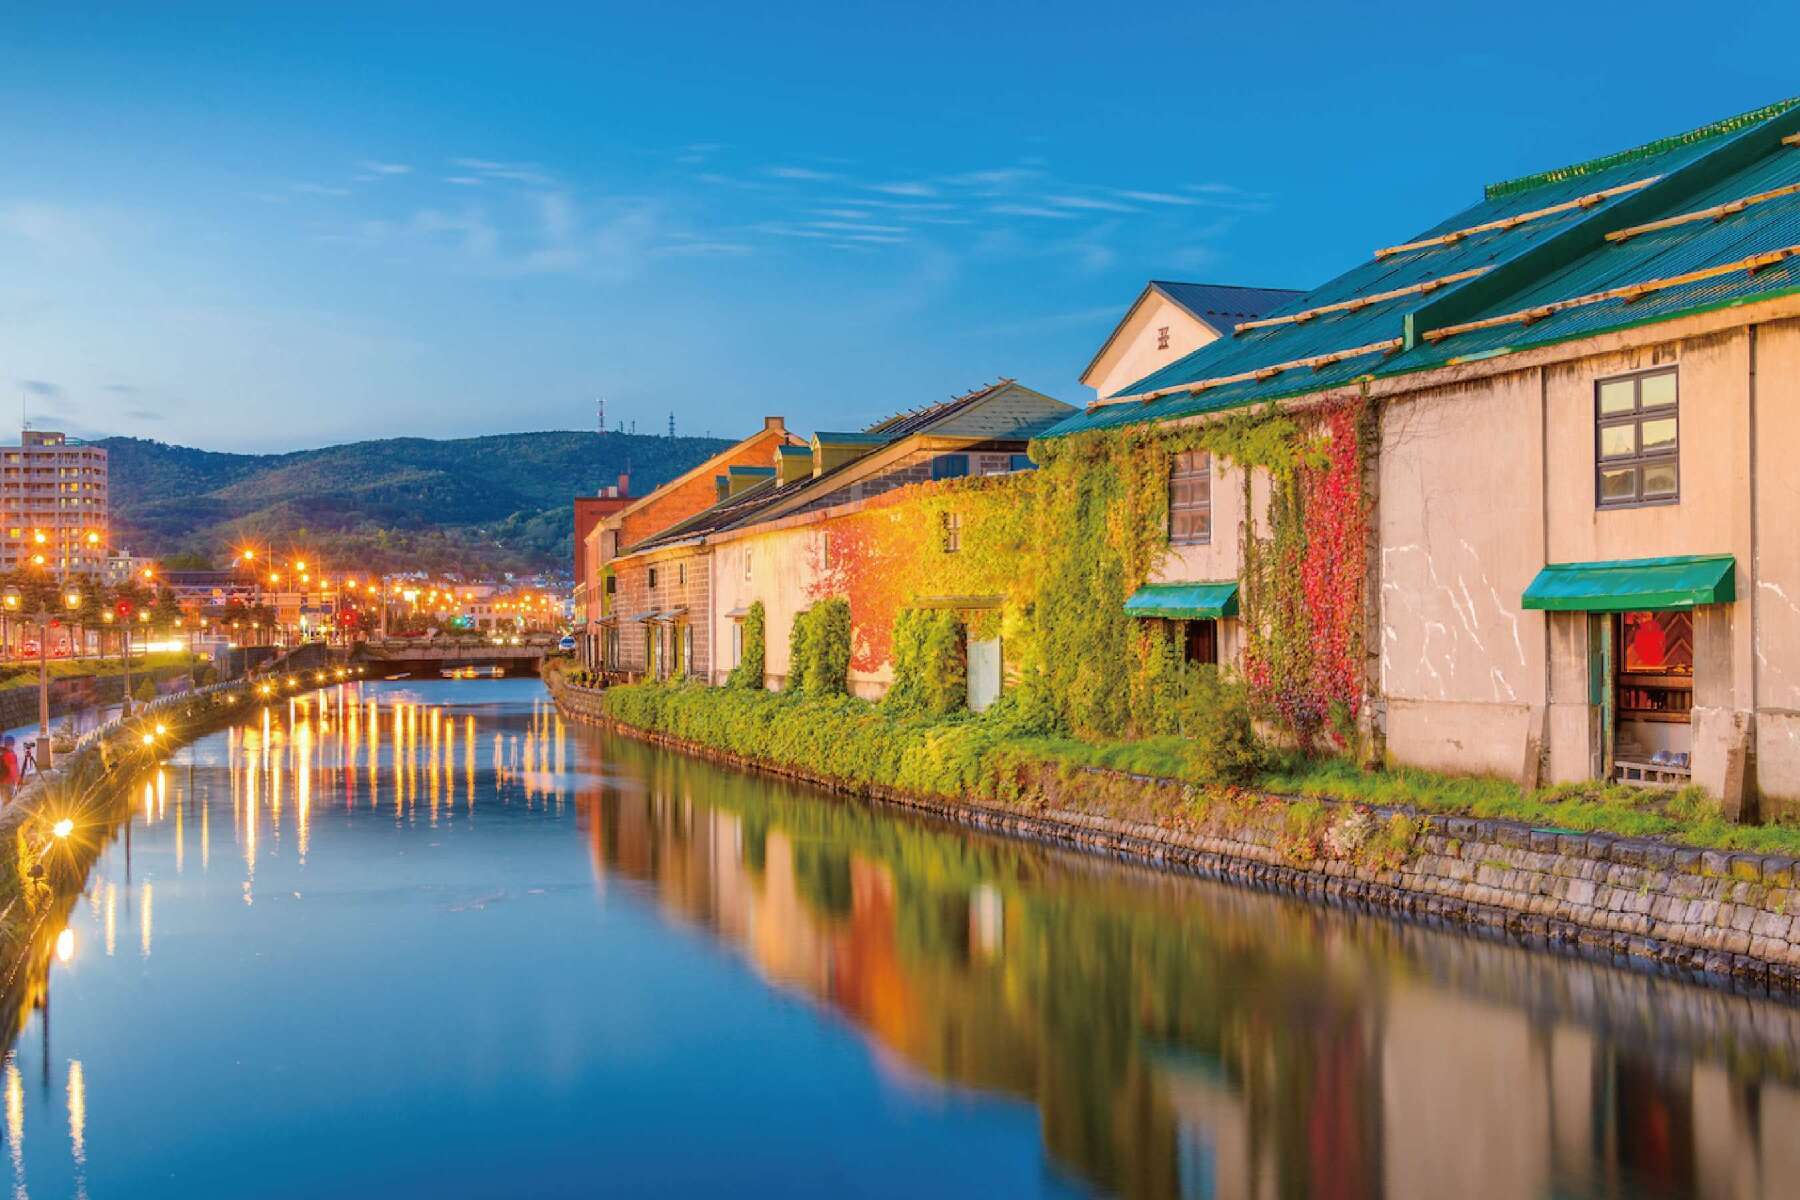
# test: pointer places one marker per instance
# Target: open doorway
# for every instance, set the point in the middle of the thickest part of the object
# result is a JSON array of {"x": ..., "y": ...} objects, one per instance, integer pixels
[{"x": 1652, "y": 696}]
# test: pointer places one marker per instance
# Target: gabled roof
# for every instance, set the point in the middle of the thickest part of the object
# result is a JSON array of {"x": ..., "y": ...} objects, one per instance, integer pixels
[
  {"x": 1218, "y": 306},
  {"x": 1223, "y": 305},
  {"x": 957, "y": 422},
  {"x": 921, "y": 419},
  {"x": 1549, "y": 257},
  {"x": 711, "y": 467}
]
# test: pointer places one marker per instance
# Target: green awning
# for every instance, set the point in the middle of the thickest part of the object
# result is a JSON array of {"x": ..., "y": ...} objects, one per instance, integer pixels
[
  {"x": 1634, "y": 584},
  {"x": 1184, "y": 601}
]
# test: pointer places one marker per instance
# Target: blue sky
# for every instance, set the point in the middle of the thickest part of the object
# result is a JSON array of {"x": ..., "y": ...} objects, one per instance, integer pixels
[{"x": 263, "y": 227}]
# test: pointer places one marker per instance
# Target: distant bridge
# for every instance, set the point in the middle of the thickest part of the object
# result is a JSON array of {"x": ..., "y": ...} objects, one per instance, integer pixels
[{"x": 392, "y": 655}]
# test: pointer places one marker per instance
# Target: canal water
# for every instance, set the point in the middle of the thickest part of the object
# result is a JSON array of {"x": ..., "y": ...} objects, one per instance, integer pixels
[{"x": 428, "y": 940}]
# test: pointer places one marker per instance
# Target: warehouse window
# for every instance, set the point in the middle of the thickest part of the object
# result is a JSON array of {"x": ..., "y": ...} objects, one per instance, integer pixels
[
  {"x": 1636, "y": 448},
  {"x": 1190, "y": 499}
]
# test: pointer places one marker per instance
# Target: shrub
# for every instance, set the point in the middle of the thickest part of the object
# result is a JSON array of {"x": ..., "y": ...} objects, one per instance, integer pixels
[
  {"x": 750, "y": 669},
  {"x": 819, "y": 649},
  {"x": 146, "y": 691},
  {"x": 930, "y": 667},
  {"x": 1214, "y": 715}
]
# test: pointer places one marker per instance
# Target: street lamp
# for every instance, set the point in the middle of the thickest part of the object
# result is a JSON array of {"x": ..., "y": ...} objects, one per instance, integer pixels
[{"x": 9, "y": 605}]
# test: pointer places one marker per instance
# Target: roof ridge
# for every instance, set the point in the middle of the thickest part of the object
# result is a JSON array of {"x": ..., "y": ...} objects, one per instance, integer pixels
[
  {"x": 1719, "y": 128},
  {"x": 1236, "y": 287}
]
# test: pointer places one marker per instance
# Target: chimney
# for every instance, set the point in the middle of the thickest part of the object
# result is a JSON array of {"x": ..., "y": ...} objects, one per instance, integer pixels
[
  {"x": 776, "y": 423},
  {"x": 792, "y": 463},
  {"x": 624, "y": 483}
]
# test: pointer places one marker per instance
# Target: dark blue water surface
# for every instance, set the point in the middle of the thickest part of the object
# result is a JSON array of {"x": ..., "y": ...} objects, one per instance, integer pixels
[{"x": 428, "y": 940}]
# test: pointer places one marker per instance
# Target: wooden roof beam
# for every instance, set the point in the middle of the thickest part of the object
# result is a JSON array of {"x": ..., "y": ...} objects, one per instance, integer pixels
[
  {"x": 1717, "y": 212},
  {"x": 1359, "y": 302},
  {"x": 1513, "y": 222},
  {"x": 1316, "y": 362},
  {"x": 1628, "y": 293}
]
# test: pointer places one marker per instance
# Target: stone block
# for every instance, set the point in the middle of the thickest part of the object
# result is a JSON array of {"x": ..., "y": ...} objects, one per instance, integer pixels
[
  {"x": 1746, "y": 867},
  {"x": 1778, "y": 870}
]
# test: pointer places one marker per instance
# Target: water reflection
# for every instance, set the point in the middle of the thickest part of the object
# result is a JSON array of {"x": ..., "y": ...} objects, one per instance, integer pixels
[
  {"x": 1181, "y": 1038},
  {"x": 1056, "y": 1021}
]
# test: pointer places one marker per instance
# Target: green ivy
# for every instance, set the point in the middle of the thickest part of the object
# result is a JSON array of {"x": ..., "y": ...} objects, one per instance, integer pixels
[
  {"x": 819, "y": 649},
  {"x": 930, "y": 667},
  {"x": 749, "y": 671}
]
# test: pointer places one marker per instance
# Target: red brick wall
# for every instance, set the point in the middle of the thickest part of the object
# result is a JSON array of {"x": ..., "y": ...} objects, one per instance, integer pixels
[{"x": 682, "y": 501}]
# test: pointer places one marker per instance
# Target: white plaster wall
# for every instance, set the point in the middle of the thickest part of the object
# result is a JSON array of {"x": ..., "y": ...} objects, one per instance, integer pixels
[
  {"x": 1461, "y": 535},
  {"x": 784, "y": 566},
  {"x": 1774, "y": 593}
]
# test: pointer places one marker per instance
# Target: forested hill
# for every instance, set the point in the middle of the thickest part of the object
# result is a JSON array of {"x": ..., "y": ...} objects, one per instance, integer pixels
[{"x": 471, "y": 504}]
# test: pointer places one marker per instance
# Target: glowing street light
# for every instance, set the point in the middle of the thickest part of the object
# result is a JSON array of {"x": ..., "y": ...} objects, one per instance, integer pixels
[{"x": 63, "y": 828}]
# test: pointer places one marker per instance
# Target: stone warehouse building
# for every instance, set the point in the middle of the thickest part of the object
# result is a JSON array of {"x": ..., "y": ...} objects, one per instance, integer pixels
[
  {"x": 597, "y": 582},
  {"x": 1571, "y": 401},
  {"x": 775, "y": 531}
]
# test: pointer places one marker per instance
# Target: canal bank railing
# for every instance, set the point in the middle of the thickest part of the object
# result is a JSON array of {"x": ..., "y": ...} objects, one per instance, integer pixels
[{"x": 56, "y": 823}]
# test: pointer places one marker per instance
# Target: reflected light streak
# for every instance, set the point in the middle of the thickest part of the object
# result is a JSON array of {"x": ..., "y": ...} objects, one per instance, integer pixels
[
  {"x": 303, "y": 756},
  {"x": 65, "y": 945},
  {"x": 77, "y": 1112},
  {"x": 15, "y": 1123},
  {"x": 144, "y": 922},
  {"x": 469, "y": 759},
  {"x": 111, "y": 925}
]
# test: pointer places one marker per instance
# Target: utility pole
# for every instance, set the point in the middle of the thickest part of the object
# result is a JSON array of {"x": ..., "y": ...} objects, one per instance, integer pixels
[{"x": 671, "y": 424}]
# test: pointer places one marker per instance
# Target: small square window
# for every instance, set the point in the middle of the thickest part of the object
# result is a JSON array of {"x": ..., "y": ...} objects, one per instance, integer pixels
[{"x": 1637, "y": 440}]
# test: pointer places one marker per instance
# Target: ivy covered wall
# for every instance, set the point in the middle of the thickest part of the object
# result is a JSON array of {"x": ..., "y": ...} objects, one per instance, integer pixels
[{"x": 1063, "y": 546}]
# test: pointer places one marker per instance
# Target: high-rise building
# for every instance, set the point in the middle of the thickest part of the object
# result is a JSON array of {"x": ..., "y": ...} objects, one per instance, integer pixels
[{"x": 53, "y": 508}]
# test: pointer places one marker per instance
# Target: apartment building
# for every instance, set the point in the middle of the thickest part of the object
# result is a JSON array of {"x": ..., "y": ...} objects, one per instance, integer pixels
[{"x": 53, "y": 504}]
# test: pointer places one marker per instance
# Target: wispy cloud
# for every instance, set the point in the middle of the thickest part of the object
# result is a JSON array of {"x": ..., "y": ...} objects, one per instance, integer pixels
[
  {"x": 1156, "y": 197},
  {"x": 1093, "y": 203},
  {"x": 463, "y": 180},
  {"x": 387, "y": 168},
  {"x": 511, "y": 172},
  {"x": 1030, "y": 210},
  {"x": 858, "y": 227},
  {"x": 801, "y": 174},
  {"x": 903, "y": 188},
  {"x": 320, "y": 189},
  {"x": 995, "y": 178},
  {"x": 43, "y": 389}
]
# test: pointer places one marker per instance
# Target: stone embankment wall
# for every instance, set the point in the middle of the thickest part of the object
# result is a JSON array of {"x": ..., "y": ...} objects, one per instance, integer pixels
[
  {"x": 19, "y": 705},
  {"x": 1724, "y": 915}
]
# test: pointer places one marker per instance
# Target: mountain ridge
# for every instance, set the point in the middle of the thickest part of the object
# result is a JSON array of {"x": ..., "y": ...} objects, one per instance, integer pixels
[{"x": 499, "y": 502}]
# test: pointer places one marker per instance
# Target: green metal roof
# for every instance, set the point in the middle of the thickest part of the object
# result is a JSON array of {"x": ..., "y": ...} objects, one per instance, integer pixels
[
  {"x": 1634, "y": 584},
  {"x": 1184, "y": 601},
  {"x": 1550, "y": 258}
]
